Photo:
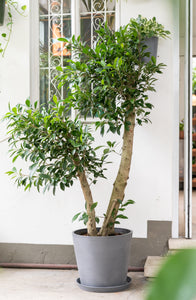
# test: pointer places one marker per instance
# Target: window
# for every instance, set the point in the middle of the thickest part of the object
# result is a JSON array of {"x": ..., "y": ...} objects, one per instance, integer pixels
[{"x": 64, "y": 18}]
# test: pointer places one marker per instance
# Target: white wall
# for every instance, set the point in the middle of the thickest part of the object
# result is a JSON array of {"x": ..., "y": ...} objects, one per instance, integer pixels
[
  {"x": 30, "y": 217},
  {"x": 155, "y": 161}
]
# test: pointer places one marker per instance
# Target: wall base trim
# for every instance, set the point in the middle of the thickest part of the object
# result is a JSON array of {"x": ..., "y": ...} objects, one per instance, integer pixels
[{"x": 156, "y": 243}]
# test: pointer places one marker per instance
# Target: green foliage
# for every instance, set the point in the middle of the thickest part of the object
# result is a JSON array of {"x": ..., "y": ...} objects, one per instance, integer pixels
[
  {"x": 194, "y": 80},
  {"x": 112, "y": 80},
  {"x": 21, "y": 10},
  {"x": 176, "y": 279},
  {"x": 181, "y": 125},
  {"x": 122, "y": 208},
  {"x": 150, "y": 28},
  {"x": 56, "y": 147},
  {"x": 83, "y": 216}
]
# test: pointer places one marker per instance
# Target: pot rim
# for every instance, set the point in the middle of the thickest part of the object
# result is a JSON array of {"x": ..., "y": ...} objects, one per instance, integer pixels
[{"x": 80, "y": 232}]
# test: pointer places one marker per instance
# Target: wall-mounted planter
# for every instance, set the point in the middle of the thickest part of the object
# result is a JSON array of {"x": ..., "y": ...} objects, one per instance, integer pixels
[
  {"x": 2, "y": 11},
  {"x": 181, "y": 134},
  {"x": 152, "y": 45}
]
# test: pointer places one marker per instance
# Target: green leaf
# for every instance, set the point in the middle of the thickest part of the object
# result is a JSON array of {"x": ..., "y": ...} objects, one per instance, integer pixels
[
  {"x": 105, "y": 151},
  {"x": 24, "y": 7},
  {"x": 62, "y": 186},
  {"x": 112, "y": 128},
  {"x": 118, "y": 130},
  {"x": 110, "y": 224},
  {"x": 55, "y": 99},
  {"x": 15, "y": 157},
  {"x": 9, "y": 173},
  {"x": 28, "y": 103},
  {"x": 177, "y": 278},
  {"x": 97, "y": 220},
  {"x": 41, "y": 155},
  {"x": 33, "y": 166},
  {"x": 45, "y": 176},
  {"x": 54, "y": 190},
  {"x": 153, "y": 59},
  {"x": 121, "y": 217},
  {"x": 14, "y": 109},
  {"x": 115, "y": 62},
  {"x": 84, "y": 218},
  {"x": 128, "y": 202},
  {"x": 59, "y": 68},
  {"x": 75, "y": 217},
  {"x": 102, "y": 130},
  {"x": 61, "y": 109},
  {"x": 28, "y": 186},
  {"x": 93, "y": 205},
  {"x": 63, "y": 40},
  {"x": 98, "y": 147},
  {"x": 116, "y": 222},
  {"x": 121, "y": 209}
]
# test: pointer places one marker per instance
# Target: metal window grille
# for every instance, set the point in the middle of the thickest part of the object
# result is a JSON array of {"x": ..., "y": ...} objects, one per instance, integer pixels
[{"x": 63, "y": 18}]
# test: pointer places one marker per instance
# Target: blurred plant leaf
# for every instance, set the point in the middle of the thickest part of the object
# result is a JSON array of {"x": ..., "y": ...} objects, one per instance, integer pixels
[{"x": 177, "y": 278}]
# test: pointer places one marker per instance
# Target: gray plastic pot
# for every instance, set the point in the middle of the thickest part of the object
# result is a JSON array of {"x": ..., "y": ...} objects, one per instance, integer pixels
[
  {"x": 152, "y": 45},
  {"x": 2, "y": 11},
  {"x": 103, "y": 261}
]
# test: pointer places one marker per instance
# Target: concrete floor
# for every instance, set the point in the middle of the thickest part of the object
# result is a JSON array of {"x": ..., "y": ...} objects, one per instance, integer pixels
[{"x": 32, "y": 284}]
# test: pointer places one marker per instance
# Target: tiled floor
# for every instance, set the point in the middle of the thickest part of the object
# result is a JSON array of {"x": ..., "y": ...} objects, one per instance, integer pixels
[{"x": 31, "y": 284}]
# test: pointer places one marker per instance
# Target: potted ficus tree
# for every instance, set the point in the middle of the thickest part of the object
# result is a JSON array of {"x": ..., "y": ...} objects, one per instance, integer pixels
[{"x": 110, "y": 83}]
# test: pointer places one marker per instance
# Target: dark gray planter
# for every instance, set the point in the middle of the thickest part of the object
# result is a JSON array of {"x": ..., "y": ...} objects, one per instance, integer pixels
[
  {"x": 103, "y": 261},
  {"x": 152, "y": 45},
  {"x": 2, "y": 11}
]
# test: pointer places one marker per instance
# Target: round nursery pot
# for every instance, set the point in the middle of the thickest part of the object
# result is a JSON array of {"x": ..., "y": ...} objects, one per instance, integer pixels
[
  {"x": 103, "y": 261},
  {"x": 2, "y": 11},
  {"x": 152, "y": 45}
]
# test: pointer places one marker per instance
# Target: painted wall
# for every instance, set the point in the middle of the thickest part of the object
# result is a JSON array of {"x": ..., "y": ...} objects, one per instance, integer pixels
[{"x": 29, "y": 217}]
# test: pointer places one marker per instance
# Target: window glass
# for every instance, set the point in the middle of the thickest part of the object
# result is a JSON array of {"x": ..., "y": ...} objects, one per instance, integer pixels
[
  {"x": 43, "y": 7},
  {"x": 110, "y": 5},
  {"x": 85, "y": 6}
]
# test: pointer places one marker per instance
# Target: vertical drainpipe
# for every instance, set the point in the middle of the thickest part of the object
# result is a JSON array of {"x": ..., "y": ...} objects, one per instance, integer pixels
[{"x": 188, "y": 122}]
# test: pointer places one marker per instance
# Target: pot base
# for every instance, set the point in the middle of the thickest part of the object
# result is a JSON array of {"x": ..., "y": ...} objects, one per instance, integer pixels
[{"x": 104, "y": 289}]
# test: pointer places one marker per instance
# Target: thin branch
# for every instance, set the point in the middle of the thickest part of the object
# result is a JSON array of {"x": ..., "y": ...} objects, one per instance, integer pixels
[
  {"x": 4, "y": 139},
  {"x": 108, "y": 216}
]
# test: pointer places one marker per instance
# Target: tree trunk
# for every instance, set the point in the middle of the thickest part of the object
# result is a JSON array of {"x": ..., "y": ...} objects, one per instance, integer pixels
[
  {"x": 91, "y": 224},
  {"x": 121, "y": 179}
]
